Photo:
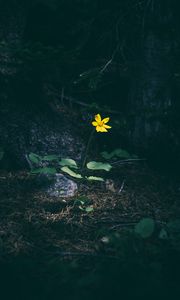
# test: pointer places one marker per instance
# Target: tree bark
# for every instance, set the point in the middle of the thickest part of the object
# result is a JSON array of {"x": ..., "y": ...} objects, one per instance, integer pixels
[{"x": 150, "y": 95}]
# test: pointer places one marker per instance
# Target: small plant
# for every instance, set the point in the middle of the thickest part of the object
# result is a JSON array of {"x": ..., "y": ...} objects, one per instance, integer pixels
[
  {"x": 101, "y": 126},
  {"x": 52, "y": 164},
  {"x": 83, "y": 204},
  {"x": 45, "y": 165}
]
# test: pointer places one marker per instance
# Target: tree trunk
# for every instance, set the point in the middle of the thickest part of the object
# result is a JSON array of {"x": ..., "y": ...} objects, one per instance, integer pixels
[
  {"x": 150, "y": 96},
  {"x": 13, "y": 15}
]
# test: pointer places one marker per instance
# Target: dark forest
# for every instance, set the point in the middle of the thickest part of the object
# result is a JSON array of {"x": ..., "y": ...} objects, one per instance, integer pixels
[{"x": 89, "y": 149}]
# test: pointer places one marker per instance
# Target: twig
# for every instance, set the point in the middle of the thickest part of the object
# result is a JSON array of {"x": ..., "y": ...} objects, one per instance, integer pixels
[
  {"x": 112, "y": 58},
  {"x": 79, "y": 102},
  {"x": 124, "y": 225},
  {"x": 121, "y": 188},
  {"x": 70, "y": 99},
  {"x": 106, "y": 65},
  {"x": 61, "y": 253}
]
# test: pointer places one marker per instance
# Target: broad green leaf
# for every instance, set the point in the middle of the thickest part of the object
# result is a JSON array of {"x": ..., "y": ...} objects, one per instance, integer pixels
[
  {"x": 106, "y": 155},
  {"x": 94, "y": 178},
  {"x": 115, "y": 153},
  {"x": 81, "y": 208},
  {"x": 36, "y": 171},
  {"x": 70, "y": 172},
  {"x": 121, "y": 153},
  {"x": 50, "y": 157},
  {"x": 89, "y": 209},
  {"x": 93, "y": 165},
  {"x": 68, "y": 162},
  {"x": 44, "y": 170},
  {"x": 35, "y": 158},
  {"x": 47, "y": 170},
  {"x": 145, "y": 227}
]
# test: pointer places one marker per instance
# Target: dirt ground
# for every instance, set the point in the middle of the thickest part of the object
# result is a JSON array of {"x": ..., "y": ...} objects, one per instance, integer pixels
[
  {"x": 33, "y": 224},
  {"x": 50, "y": 248}
]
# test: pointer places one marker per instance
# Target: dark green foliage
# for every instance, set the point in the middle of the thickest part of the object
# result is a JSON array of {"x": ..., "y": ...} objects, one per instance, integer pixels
[
  {"x": 116, "y": 153},
  {"x": 145, "y": 227}
]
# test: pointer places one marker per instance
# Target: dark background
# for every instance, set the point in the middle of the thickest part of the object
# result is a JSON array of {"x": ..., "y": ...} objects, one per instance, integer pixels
[{"x": 121, "y": 55}]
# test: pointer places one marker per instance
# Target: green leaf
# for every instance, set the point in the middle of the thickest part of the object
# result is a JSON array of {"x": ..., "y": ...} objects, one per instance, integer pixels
[
  {"x": 50, "y": 157},
  {"x": 106, "y": 155},
  {"x": 115, "y": 153},
  {"x": 47, "y": 170},
  {"x": 70, "y": 172},
  {"x": 36, "y": 171},
  {"x": 68, "y": 162},
  {"x": 44, "y": 170},
  {"x": 79, "y": 202},
  {"x": 89, "y": 209},
  {"x": 82, "y": 200},
  {"x": 93, "y": 165},
  {"x": 90, "y": 178},
  {"x": 81, "y": 208},
  {"x": 35, "y": 158},
  {"x": 145, "y": 227},
  {"x": 121, "y": 153}
]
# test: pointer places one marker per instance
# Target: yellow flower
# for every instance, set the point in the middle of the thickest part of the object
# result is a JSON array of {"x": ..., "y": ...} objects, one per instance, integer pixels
[{"x": 101, "y": 124}]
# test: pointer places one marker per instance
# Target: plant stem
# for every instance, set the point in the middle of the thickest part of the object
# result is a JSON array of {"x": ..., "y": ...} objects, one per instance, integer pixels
[{"x": 87, "y": 148}]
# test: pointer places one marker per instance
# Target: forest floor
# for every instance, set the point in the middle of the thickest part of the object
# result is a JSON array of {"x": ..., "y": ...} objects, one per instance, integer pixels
[{"x": 36, "y": 227}]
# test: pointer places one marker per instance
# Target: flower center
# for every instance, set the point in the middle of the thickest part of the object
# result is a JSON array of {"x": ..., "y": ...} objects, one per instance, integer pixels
[{"x": 101, "y": 123}]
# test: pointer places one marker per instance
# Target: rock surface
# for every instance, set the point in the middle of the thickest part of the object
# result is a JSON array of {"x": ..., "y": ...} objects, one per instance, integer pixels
[
  {"x": 62, "y": 187},
  {"x": 56, "y": 185},
  {"x": 23, "y": 131}
]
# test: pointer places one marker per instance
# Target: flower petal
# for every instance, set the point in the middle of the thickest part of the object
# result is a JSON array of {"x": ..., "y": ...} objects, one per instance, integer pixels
[
  {"x": 103, "y": 129},
  {"x": 98, "y": 118},
  {"x": 107, "y": 126},
  {"x": 105, "y": 120},
  {"x": 94, "y": 123},
  {"x": 98, "y": 128}
]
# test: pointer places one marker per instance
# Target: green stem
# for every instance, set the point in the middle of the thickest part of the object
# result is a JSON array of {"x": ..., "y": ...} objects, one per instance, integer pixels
[{"x": 87, "y": 148}]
